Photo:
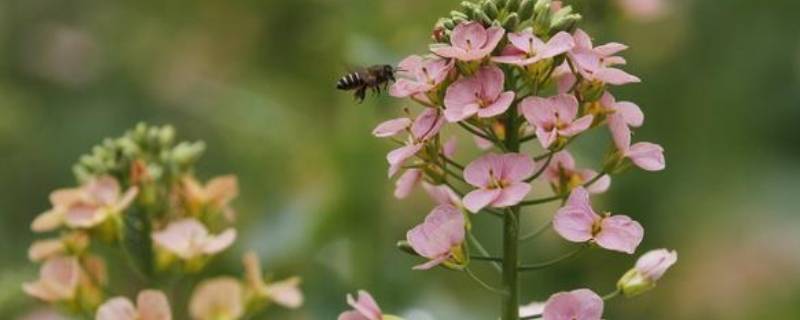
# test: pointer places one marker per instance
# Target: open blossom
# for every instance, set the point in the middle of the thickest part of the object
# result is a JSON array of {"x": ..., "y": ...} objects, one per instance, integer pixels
[
  {"x": 562, "y": 170},
  {"x": 596, "y": 63},
  {"x": 627, "y": 112},
  {"x": 481, "y": 94},
  {"x": 217, "y": 299},
  {"x": 645, "y": 155},
  {"x": 439, "y": 238},
  {"x": 420, "y": 75},
  {"x": 581, "y": 304},
  {"x": 42, "y": 250},
  {"x": 424, "y": 127},
  {"x": 500, "y": 179},
  {"x": 217, "y": 193},
  {"x": 577, "y": 222},
  {"x": 364, "y": 308},
  {"x": 442, "y": 194},
  {"x": 58, "y": 280},
  {"x": 648, "y": 270},
  {"x": 150, "y": 305},
  {"x": 86, "y": 206},
  {"x": 470, "y": 41},
  {"x": 188, "y": 238},
  {"x": 554, "y": 117},
  {"x": 285, "y": 292},
  {"x": 525, "y": 48}
]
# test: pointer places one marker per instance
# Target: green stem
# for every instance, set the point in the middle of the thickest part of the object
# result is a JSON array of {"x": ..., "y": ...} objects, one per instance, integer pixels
[
  {"x": 611, "y": 295},
  {"x": 482, "y": 283},
  {"x": 542, "y": 265},
  {"x": 482, "y": 250},
  {"x": 541, "y": 170},
  {"x": 476, "y": 132},
  {"x": 537, "y": 232},
  {"x": 510, "y": 307}
]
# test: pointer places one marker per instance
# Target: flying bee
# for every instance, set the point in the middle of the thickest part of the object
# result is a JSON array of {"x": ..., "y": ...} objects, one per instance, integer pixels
[{"x": 373, "y": 77}]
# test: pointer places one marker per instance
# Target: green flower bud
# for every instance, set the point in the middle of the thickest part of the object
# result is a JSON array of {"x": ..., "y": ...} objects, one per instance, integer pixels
[
  {"x": 511, "y": 22},
  {"x": 564, "y": 20},
  {"x": 501, "y": 4},
  {"x": 633, "y": 283},
  {"x": 405, "y": 247},
  {"x": 490, "y": 8},
  {"x": 513, "y": 5},
  {"x": 526, "y": 9},
  {"x": 458, "y": 14},
  {"x": 483, "y": 18},
  {"x": 469, "y": 9}
]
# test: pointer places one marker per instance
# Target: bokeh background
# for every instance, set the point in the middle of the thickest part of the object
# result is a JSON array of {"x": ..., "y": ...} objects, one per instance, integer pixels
[{"x": 255, "y": 80}]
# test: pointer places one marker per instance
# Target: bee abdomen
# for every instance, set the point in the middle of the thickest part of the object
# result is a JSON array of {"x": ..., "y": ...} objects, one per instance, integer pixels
[{"x": 350, "y": 81}]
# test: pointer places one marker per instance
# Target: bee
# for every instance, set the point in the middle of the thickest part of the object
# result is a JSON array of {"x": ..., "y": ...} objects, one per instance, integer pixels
[{"x": 367, "y": 78}]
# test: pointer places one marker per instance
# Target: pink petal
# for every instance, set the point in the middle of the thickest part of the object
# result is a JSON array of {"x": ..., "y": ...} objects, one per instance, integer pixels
[
  {"x": 647, "y": 156},
  {"x": 575, "y": 220},
  {"x": 580, "y": 125},
  {"x": 491, "y": 80},
  {"x": 48, "y": 221},
  {"x": 615, "y": 76},
  {"x": 427, "y": 124},
  {"x": 537, "y": 110},
  {"x": 405, "y": 184},
  {"x": 582, "y": 40},
  {"x": 365, "y": 305},
  {"x": 104, "y": 190},
  {"x": 431, "y": 263},
  {"x": 516, "y": 167},
  {"x": 448, "y": 51},
  {"x": 84, "y": 215},
  {"x": 443, "y": 228},
  {"x": 469, "y": 35},
  {"x": 479, "y": 199},
  {"x": 352, "y": 315},
  {"x": 620, "y": 132},
  {"x": 511, "y": 195},
  {"x": 620, "y": 233},
  {"x": 582, "y": 304},
  {"x": 499, "y": 106},
  {"x": 494, "y": 36},
  {"x": 153, "y": 305},
  {"x": 479, "y": 172},
  {"x": 558, "y": 44},
  {"x": 631, "y": 113},
  {"x": 566, "y": 105},
  {"x": 449, "y": 147},
  {"x": 655, "y": 263},
  {"x": 442, "y": 194},
  {"x": 216, "y": 244},
  {"x": 610, "y": 49},
  {"x": 515, "y": 59},
  {"x": 599, "y": 186},
  {"x": 286, "y": 293},
  {"x": 391, "y": 127},
  {"x": 119, "y": 308},
  {"x": 400, "y": 155},
  {"x": 546, "y": 138}
]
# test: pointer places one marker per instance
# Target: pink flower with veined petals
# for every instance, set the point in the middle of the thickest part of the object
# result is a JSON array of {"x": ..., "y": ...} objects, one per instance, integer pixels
[
  {"x": 595, "y": 63},
  {"x": 392, "y": 127},
  {"x": 84, "y": 207},
  {"x": 364, "y": 308},
  {"x": 425, "y": 127},
  {"x": 188, "y": 238},
  {"x": 554, "y": 117},
  {"x": 412, "y": 177},
  {"x": 626, "y": 111},
  {"x": 526, "y": 48},
  {"x": 577, "y": 222},
  {"x": 470, "y": 41},
  {"x": 439, "y": 238},
  {"x": 420, "y": 75},
  {"x": 481, "y": 94},
  {"x": 500, "y": 179},
  {"x": 150, "y": 305},
  {"x": 562, "y": 169},
  {"x": 581, "y": 304},
  {"x": 645, "y": 155},
  {"x": 58, "y": 280},
  {"x": 442, "y": 194}
]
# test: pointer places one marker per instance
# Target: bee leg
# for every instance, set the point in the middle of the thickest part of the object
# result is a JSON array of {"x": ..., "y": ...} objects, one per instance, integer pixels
[{"x": 360, "y": 94}]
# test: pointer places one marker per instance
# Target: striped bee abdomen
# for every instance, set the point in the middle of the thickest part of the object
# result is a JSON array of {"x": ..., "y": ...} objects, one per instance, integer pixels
[{"x": 350, "y": 81}]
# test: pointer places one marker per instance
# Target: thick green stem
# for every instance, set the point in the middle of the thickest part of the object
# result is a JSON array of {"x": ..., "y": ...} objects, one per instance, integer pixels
[{"x": 510, "y": 308}]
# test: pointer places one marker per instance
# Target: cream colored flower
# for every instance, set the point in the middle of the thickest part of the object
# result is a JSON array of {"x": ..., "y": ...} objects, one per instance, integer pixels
[
  {"x": 217, "y": 193},
  {"x": 58, "y": 280},
  {"x": 285, "y": 293},
  {"x": 188, "y": 238},
  {"x": 217, "y": 299},
  {"x": 150, "y": 305}
]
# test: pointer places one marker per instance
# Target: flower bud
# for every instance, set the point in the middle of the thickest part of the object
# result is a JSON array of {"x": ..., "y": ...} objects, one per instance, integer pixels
[
  {"x": 542, "y": 17},
  {"x": 648, "y": 270},
  {"x": 490, "y": 8},
  {"x": 513, "y": 5},
  {"x": 526, "y": 9},
  {"x": 405, "y": 247},
  {"x": 564, "y": 20},
  {"x": 501, "y": 4},
  {"x": 469, "y": 9},
  {"x": 511, "y": 21}
]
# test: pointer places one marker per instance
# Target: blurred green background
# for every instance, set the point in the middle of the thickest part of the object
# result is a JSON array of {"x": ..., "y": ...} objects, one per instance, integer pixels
[{"x": 255, "y": 80}]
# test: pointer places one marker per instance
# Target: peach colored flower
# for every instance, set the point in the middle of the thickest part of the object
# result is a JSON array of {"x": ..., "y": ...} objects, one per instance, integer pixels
[
  {"x": 86, "y": 206},
  {"x": 217, "y": 193},
  {"x": 285, "y": 293},
  {"x": 188, "y": 238},
  {"x": 58, "y": 280},
  {"x": 150, "y": 305},
  {"x": 217, "y": 299}
]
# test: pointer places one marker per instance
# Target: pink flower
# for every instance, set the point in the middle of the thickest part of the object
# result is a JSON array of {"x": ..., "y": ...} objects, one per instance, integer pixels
[
  {"x": 577, "y": 222},
  {"x": 419, "y": 75},
  {"x": 562, "y": 169},
  {"x": 554, "y": 117},
  {"x": 595, "y": 63},
  {"x": 364, "y": 308},
  {"x": 392, "y": 127},
  {"x": 150, "y": 305},
  {"x": 439, "y": 238},
  {"x": 188, "y": 238},
  {"x": 442, "y": 194},
  {"x": 653, "y": 264},
  {"x": 645, "y": 155},
  {"x": 425, "y": 127},
  {"x": 86, "y": 206},
  {"x": 470, "y": 41},
  {"x": 406, "y": 183},
  {"x": 481, "y": 94},
  {"x": 218, "y": 298},
  {"x": 286, "y": 292},
  {"x": 500, "y": 180},
  {"x": 58, "y": 280},
  {"x": 628, "y": 112},
  {"x": 526, "y": 48},
  {"x": 581, "y": 304}
]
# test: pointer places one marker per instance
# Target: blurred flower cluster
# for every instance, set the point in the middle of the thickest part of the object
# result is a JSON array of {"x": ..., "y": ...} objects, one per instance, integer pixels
[
  {"x": 510, "y": 72},
  {"x": 139, "y": 204}
]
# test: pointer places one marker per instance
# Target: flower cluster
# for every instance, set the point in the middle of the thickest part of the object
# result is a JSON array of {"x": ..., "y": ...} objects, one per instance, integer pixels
[
  {"x": 510, "y": 72},
  {"x": 138, "y": 195}
]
